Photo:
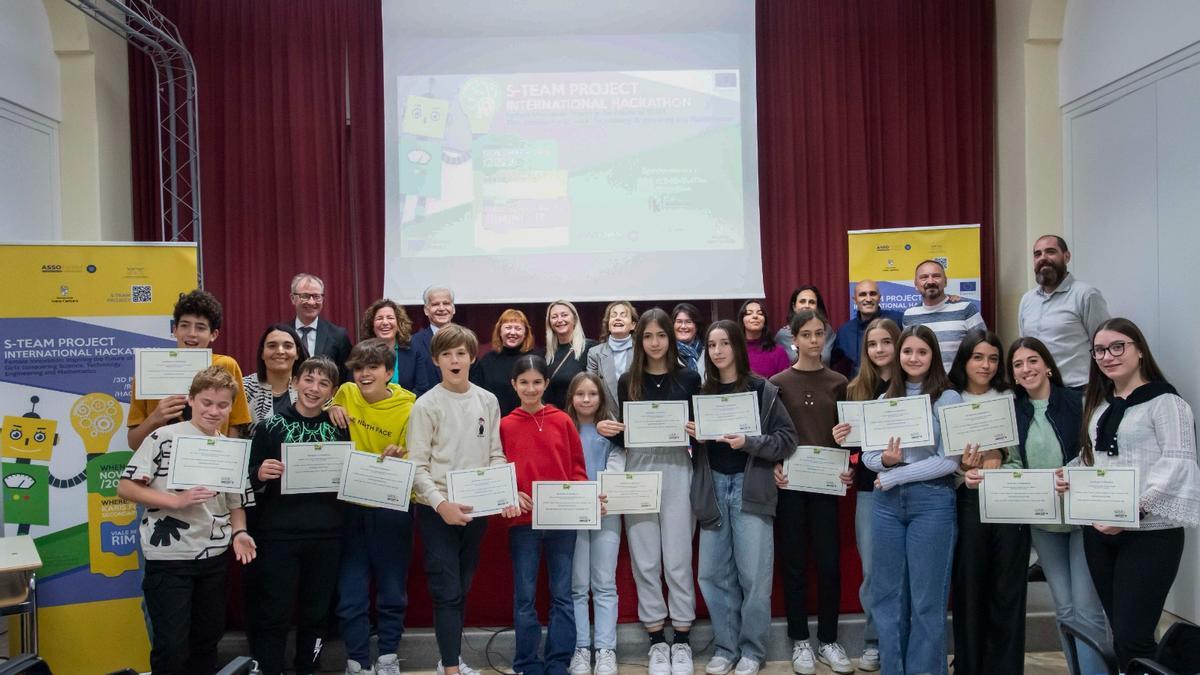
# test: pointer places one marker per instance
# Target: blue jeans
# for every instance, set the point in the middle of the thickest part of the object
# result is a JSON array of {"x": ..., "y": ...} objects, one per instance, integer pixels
[
  {"x": 376, "y": 544},
  {"x": 914, "y": 527},
  {"x": 736, "y": 560},
  {"x": 1075, "y": 598},
  {"x": 526, "y": 546},
  {"x": 595, "y": 569},
  {"x": 862, "y": 537}
]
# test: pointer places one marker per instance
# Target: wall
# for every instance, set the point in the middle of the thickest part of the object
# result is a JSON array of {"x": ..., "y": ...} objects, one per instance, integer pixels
[{"x": 1131, "y": 136}]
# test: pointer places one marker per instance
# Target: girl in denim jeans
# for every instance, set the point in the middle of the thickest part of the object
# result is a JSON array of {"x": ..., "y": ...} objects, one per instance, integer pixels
[{"x": 913, "y": 524}]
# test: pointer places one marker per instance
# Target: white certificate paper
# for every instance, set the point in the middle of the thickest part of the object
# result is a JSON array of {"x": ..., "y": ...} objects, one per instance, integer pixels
[
  {"x": 909, "y": 418},
  {"x": 1108, "y": 496},
  {"x": 566, "y": 505},
  {"x": 720, "y": 414},
  {"x": 366, "y": 480},
  {"x": 214, "y": 462},
  {"x": 488, "y": 490},
  {"x": 653, "y": 424},
  {"x": 851, "y": 412},
  {"x": 312, "y": 467},
  {"x": 992, "y": 423},
  {"x": 159, "y": 373},
  {"x": 817, "y": 469},
  {"x": 632, "y": 491},
  {"x": 1019, "y": 496}
]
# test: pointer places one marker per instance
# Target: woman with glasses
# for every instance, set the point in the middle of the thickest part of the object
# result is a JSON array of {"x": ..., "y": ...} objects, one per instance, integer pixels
[{"x": 1133, "y": 417}]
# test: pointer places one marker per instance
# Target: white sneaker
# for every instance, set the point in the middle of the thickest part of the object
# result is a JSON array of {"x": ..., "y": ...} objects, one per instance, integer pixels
[
  {"x": 388, "y": 664},
  {"x": 606, "y": 662},
  {"x": 355, "y": 668},
  {"x": 834, "y": 656},
  {"x": 718, "y": 665},
  {"x": 869, "y": 661},
  {"x": 581, "y": 661},
  {"x": 463, "y": 669},
  {"x": 803, "y": 661},
  {"x": 746, "y": 666},
  {"x": 660, "y": 659},
  {"x": 681, "y": 660}
]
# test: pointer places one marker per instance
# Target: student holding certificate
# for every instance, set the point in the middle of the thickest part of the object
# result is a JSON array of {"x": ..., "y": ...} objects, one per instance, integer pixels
[
  {"x": 1135, "y": 418},
  {"x": 734, "y": 498},
  {"x": 544, "y": 445},
  {"x": 990, "y": 559},
  {"x": 186, "y": 535},
  {"x": 376, "y": 542},
  {"x": 660, "y": 544},
  {"x": 1048, "y": 421},
  {"x": 914, "y": 520},
  {"x": 809, "y": 392},
  {"x": 878, "y": 366},
  {"x": 595, "y": 562},
  {"x": 298, "y": 535}
]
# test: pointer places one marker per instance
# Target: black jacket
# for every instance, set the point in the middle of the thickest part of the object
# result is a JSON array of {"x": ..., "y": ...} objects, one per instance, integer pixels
[
  {"x": 1065, "y": 413},
  {"x": 759, "y": 493}
]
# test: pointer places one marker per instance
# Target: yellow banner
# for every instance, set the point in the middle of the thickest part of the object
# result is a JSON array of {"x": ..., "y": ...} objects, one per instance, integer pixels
[{"x": 67, "y": 280}]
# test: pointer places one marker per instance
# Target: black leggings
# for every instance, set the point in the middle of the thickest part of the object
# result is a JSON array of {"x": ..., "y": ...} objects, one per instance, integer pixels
[
  {"x": 799, "y": 516},
  {"x": 1133, "y": 572}
]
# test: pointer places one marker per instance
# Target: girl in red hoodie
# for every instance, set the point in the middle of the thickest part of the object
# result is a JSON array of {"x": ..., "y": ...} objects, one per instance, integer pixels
[{"x": 543, "y": 443}]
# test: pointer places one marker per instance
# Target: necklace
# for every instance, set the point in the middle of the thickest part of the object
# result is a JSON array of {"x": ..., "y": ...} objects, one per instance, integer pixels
[
  {"x": 540, "y": 418},
  {"x": 658, "y": 382}
]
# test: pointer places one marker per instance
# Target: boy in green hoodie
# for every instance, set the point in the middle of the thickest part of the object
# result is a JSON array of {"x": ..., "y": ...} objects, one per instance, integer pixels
[{"x": 376, "y": 543}]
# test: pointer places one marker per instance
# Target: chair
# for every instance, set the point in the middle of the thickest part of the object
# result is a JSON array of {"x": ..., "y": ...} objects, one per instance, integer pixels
[
  {"x": 1178, "y": 653},
  {"x": 1075, "y": 634},
  {"x": 25, "y": 664},
  {"x": 19, "y": 596}
]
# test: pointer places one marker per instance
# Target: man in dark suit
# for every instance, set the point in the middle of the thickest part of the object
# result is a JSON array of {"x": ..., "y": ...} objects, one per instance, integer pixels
[
  {"x": 439, "y": 309},
  {"x": 320, "y": 338}
]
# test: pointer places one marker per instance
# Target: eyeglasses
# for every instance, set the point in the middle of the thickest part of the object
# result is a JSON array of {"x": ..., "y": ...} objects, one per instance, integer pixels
[
  {"x": 1115, "y": 348},
  {"x": 309, "y": 296}
]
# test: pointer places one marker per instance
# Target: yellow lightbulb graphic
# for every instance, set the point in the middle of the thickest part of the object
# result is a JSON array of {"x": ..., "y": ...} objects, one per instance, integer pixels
[
  {"x": 479, "y": 100},
  {"x": 96, "y": 417}
]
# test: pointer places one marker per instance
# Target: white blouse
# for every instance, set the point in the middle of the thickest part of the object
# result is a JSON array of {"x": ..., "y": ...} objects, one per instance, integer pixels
[{"x": 1159, "y": 438}]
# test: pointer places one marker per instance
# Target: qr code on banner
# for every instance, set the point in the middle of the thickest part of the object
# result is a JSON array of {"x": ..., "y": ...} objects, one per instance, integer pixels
[{"x": 141, "y": 293}]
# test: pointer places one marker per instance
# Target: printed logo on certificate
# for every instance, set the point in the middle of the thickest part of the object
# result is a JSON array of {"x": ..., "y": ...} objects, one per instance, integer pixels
[
  {"x": 214, "y": 462},
  {"x": 631, "y": 491},
  {"x": 373, "y": 480},
  {"x": 566, "y": 505}
]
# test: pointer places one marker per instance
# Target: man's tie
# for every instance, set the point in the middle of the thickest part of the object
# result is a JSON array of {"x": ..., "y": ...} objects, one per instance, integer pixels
[{"x": 311, "y": 346}]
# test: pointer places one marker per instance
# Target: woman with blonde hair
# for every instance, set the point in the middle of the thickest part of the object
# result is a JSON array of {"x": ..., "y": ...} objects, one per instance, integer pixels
[{"x": 566, "y": 350}]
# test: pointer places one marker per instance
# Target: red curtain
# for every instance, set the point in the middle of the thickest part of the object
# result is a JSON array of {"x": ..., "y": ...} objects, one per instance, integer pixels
[{"x": 872, "y": 113}]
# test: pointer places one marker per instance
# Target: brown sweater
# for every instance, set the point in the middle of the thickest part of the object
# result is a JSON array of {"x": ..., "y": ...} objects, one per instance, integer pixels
[{"x": 811, "y": 397}]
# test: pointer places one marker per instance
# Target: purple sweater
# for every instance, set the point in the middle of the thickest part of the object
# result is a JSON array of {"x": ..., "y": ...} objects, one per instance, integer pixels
[{"x": 769, "y": 363}]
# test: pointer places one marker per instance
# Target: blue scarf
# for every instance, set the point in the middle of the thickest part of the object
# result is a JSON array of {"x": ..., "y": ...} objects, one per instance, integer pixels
[
  {"x": 622, "y": 352},
  {"x": 689, "y": 354}
]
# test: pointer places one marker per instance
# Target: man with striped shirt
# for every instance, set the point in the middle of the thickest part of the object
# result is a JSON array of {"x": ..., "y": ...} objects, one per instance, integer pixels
[{"x": 949, "y": 321}]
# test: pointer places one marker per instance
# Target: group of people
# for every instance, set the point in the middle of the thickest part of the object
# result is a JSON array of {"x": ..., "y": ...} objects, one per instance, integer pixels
[{"x": 1086, "y": 387}]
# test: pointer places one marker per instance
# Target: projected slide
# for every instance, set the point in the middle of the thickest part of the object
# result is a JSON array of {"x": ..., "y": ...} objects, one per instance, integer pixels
[{"x": 580, "y": 162}]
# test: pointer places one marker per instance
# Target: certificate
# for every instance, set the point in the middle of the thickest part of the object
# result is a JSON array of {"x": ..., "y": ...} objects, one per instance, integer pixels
[
  {"x": 632, "y": 491},
  {"x": 1019, "y": 496},
  {"x": 816, "y": 469},
  {"x": 566, "y": 505},
  {"x": 909, "y": 418},
  {"x": 312, "y": 467},
  {"x": 366, "y": 480},
  {"x": 653, "y": 424},
  {"x": 851, "y": 412},
  {"x": 159, "y": 373},
  {"x": 1107, "y": 496},
  {"x": 214, "y": 462},
  {"x": 992, "y": 423},
  {"x": 487, "y": 490},
  {"x": 720, "y": 414}
]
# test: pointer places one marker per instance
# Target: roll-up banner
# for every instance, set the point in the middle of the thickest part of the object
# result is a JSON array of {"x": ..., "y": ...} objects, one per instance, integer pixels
[{"x": 890, "y": 258}]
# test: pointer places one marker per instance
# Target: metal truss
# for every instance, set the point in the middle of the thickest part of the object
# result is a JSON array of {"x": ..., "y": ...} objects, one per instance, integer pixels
[{"x": 178, "y": 144}]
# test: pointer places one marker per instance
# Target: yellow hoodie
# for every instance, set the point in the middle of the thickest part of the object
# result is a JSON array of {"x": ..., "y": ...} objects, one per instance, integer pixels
[{"x": 374, "y": 426}]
